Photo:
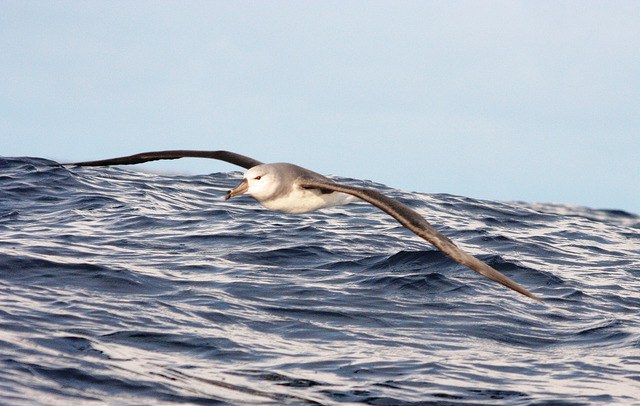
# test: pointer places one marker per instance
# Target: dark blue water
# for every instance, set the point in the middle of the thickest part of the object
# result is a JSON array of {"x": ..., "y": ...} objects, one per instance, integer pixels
[{"x": 124, "y": 287}]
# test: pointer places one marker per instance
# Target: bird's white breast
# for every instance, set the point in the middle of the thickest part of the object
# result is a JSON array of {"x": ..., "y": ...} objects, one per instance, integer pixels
[{"x": 301, "y": 200}]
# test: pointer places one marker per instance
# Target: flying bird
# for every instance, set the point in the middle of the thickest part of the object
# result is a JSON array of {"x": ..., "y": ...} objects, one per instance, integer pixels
[{"x": 292, "y": 189}]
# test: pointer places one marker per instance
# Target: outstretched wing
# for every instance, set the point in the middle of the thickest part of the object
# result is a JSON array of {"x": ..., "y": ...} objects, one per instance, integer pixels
[
  {"x": 231, "y": 157},
  {"x": 421, "y": 227}
]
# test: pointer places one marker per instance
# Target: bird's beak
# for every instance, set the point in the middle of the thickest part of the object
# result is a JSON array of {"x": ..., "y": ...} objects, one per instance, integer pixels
[{"x": 238, "y": 190}]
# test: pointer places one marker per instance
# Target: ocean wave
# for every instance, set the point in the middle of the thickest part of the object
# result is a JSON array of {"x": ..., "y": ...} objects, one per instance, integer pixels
[{"x": 121, "y": 286}]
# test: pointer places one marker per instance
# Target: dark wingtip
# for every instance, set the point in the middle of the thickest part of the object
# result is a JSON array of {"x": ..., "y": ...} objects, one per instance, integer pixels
[
  {"x": 525, "y": 292},
  {"x": 534, "y": 297}
]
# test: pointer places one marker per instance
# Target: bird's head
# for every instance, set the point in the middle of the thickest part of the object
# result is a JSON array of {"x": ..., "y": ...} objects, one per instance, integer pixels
[{"x": 260, "y": 182}]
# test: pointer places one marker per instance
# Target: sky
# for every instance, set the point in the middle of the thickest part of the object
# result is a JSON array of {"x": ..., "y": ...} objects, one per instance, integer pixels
[{"x": 534, "y": 101}]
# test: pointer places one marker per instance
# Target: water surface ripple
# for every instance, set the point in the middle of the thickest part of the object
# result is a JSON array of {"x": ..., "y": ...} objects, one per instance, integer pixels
[{"x": 125, "y": 287}]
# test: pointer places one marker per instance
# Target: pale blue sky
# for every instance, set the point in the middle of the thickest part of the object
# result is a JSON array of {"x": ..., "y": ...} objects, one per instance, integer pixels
[{"x": 534, "y": 101}]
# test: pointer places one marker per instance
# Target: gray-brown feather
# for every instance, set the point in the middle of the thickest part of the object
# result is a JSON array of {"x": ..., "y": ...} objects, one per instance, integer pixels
[
  {"x": 227, "y": 156},
  {"x": 413, "y": 221}
]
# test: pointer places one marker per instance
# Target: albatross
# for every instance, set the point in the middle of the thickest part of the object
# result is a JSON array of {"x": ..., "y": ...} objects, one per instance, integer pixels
[{"x": 292, "y": 189}]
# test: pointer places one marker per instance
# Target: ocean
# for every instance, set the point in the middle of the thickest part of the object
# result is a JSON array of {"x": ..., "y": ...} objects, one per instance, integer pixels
[{"x": 125, "y": 287}]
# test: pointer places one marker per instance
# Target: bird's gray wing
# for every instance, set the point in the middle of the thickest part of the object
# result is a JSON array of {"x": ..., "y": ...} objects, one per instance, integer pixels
[
  {"x": 231, "y": 157},
  {"x": 413, "y": 221}
]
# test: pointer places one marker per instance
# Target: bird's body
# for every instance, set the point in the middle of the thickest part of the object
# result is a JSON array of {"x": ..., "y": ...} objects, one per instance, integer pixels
[
  {"x": 284, "y": 191},
  {"x": 301, "y": 200},
  {"x": 293, "y": 189}
]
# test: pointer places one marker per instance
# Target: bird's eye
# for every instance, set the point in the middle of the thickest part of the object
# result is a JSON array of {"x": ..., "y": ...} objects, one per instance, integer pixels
[{"x": 257, "y": 177}]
